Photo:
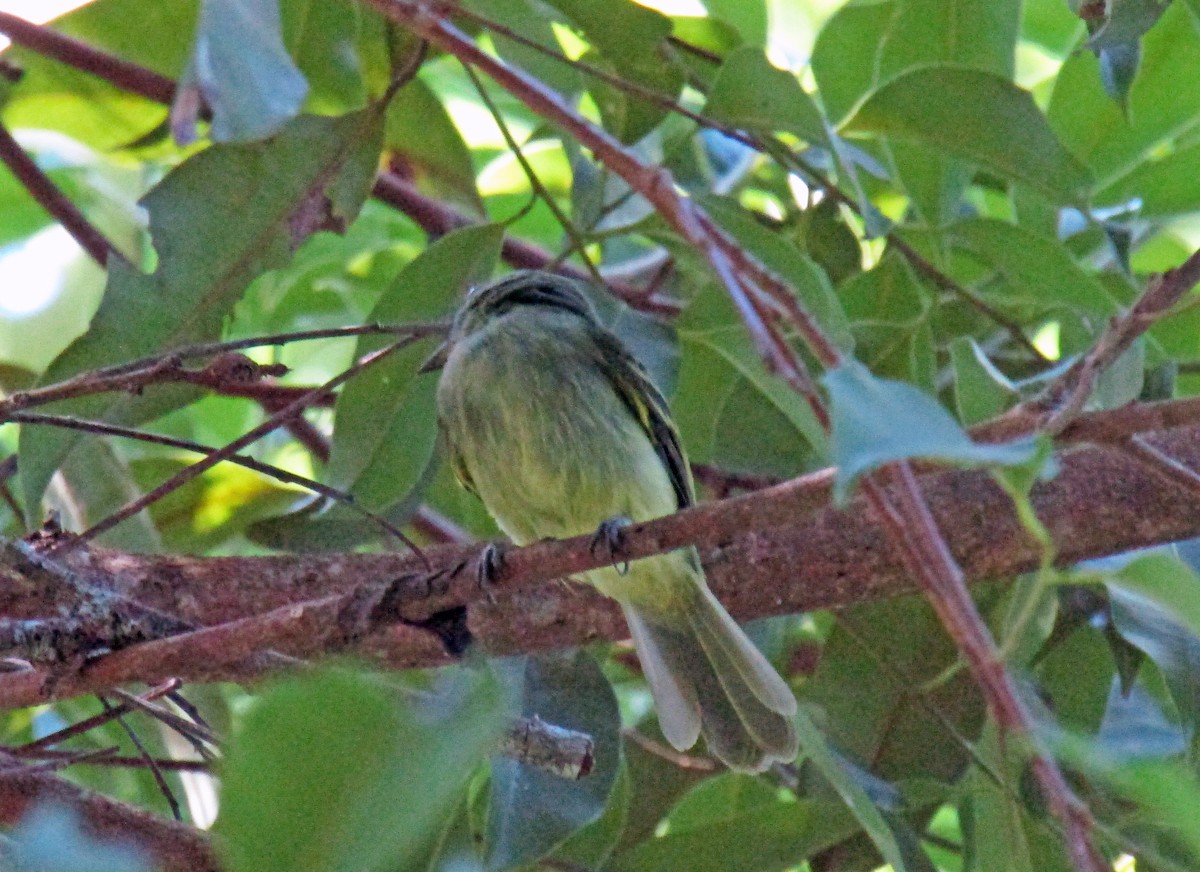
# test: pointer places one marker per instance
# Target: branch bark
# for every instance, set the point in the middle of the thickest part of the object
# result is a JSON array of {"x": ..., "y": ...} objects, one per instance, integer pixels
[{"x": 775, "y": 551}]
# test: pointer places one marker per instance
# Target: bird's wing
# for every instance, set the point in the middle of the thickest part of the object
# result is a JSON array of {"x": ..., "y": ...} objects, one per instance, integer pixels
[
  {"x": 457, "y": 465},
  {"x": 644, "y": 400}
]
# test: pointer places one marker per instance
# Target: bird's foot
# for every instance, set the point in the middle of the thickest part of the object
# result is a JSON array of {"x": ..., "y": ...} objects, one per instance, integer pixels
[{"x": 610, "y": 540}]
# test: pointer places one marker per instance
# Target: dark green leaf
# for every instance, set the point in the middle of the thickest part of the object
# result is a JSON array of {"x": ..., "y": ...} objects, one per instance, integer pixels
[
  {"x": 977, "y": 116},
  {"x": 751, "y": 94},
  {"x": 530, "y": 20},
  {"x": 532, "y": 811},
  {"x": 313, "y": 176},
  {"x": 1040, "y": 268},
  {"x": 877, "y": 421},
  {"x": 336, "y": 772},
  {"x": 849, "y": 787},
  {"x": 980, "y": 390},
  {"x": 322, "y": 36},
  {"x": 242, "y": 72}
]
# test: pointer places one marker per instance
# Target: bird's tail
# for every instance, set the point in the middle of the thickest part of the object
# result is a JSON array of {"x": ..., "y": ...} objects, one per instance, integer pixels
[{"x": 707, "y": 677}]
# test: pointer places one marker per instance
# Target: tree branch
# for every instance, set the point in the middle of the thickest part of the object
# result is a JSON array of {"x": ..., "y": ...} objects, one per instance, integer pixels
[{"x": 775, "y": 551}]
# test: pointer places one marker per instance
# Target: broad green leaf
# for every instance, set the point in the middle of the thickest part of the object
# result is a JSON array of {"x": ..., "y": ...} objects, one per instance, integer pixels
[
  {"x": 974, "y": 33},
  {"x": 632, "y": 38},
  {"x": 766, "y": 838},
  {"x": 242, "y": 72},
  {"x": 812, "y": 286},
  {"x": 312, "y": 176},
  {"x": 336, "y": 772},
  {"x": 1167, "y": 582},
  {"x": 1135, "y": 726},
  {"x": 1052, "y": 26},
  {"x": 980, "y": 390},
  {"x": 1155, "y": 630},
  {"x": 748, "y": 16},
  {"x": 1040, "y": 268},
  {"x": 1111, "y": 141},
  {"x": 1163, "y": 187},
  {"x": 97, "y": 481},
  {"x": 533, "y": 811},
  {"x": 751, "y": 94},
  {"x": 53, "y": 96},
  {"x": 877, "y": 421},
  {"x": 734, "y": 414},
  {"x": 386, "y": 423},
  {"x": 831, "y": 765},
  {"x": 420, "y": 128},
  {"x": 530, "y": 20},
  {"x": 594, "y": 844},
  {"x": 323, "y": 36},
  {"x": 843, "y": 59},
  {"x": 980, "y": 117},
  {"x": 864, "y": 687}
]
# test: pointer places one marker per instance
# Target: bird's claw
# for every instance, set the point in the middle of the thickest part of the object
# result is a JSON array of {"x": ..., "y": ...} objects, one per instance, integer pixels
[
  {"x": 488, "y": 567},
  {"x": 610, "y": 539}
]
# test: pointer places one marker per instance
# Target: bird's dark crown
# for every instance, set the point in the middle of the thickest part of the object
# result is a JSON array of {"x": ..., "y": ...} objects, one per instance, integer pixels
[{"x": 524, "y": 288}]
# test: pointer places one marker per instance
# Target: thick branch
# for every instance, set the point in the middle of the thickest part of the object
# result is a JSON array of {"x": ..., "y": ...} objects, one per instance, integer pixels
[{"x": 771, "y": 552}]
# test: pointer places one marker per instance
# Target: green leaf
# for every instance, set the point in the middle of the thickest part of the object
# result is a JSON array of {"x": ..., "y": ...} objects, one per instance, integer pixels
[
  {"x": 843, "y": 58},
  {"x": 751, "y": 94},
  {"x": 748, "y": 16},
  {"x": 532, "y": 811},
  {"x": 420, "y": 128},
  {"x": 313, "y": 175},
  {"x": 531, "y": 22},
  {"x": 1166, "y": 581},
  {"x": 765, "y": 838},
  {"x": 980, "y": 390},
  {"x": 973, "y": 33},
  {"x": 1113, "y": 141},
  {"x": 323, "y": 37},
  {"x": 1042, "y": 269},
  {"x": 848, "y": 786},
  {"x": 877, "y": 421},
  {"x": 336, "y": 772},
  {"x": 242, "y": 71},
  {"x": 977, "y": 116},
  {"x": 811, "y": 284},
  {"x": 53, "y": 96},
  {"x": 385, "y": 420},
  {"x": 632, "y": 38}
]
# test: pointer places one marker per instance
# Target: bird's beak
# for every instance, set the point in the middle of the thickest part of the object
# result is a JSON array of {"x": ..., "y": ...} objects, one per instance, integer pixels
[{"x": 436, "y": 360}]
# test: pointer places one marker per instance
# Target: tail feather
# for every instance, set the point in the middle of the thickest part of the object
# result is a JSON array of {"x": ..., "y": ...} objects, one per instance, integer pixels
[{"x": 706, "y": 676}]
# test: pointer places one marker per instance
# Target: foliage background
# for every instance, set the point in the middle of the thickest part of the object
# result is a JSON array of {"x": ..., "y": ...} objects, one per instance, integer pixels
[{"x": 1045, "y": 165}]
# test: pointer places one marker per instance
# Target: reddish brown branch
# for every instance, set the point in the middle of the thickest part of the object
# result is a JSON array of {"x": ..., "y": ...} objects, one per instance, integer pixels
[
  {"x": 72, "y": 52},
  {"x": 54, "y": 201},
  {"x": 765, "y": 553}
]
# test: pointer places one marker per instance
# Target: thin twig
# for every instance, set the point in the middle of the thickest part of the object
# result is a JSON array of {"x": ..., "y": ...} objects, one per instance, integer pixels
[
  {"x": 275, "y": 472},
  {"x": 54, "y": 201},
  {"x": 70, "y": 51},
  {"x": 134, "y": 373},
  {"x": 155, "y": 771},
  {"x": 81, "y": 727},
  {"x": 1065, "y": 397},
  {"x": 272, "y": 423},
  {"x": 1168, "y": 467},
  {"x": 113, "y": 760}
]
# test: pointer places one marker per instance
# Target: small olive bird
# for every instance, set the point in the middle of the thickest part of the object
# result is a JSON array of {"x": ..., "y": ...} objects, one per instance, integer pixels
[{"x": 550, "y": 420}]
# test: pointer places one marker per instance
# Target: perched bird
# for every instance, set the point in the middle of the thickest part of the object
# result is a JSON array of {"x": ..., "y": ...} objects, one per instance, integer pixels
[{"x": 549, "y": 419}]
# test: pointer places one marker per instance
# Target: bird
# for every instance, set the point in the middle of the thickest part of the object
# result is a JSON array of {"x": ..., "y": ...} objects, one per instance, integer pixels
[{"x": 549, "y": 419}]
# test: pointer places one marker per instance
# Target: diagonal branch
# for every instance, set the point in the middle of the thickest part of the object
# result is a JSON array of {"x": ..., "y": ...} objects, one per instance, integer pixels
[{"x": 54, "y": 201}]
